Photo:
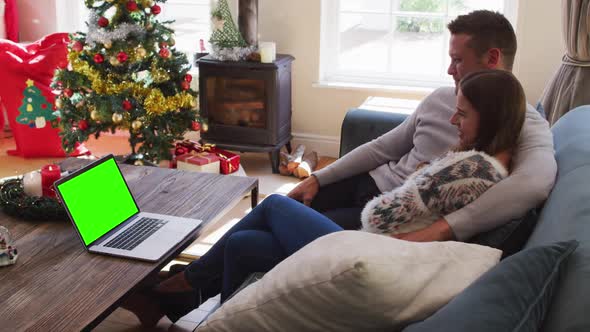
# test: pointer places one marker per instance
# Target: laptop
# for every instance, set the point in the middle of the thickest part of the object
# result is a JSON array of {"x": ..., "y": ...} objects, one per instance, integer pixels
[{"x": 107, "y": 218}]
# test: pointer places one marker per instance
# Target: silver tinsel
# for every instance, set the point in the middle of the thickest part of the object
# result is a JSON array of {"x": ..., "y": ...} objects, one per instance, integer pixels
[
  {"x": 100, "y": 35},
  {"x": 232, "y": 53}
]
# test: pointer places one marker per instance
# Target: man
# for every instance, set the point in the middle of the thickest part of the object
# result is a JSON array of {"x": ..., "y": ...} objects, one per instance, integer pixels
[{"x": 479, "y": 40}]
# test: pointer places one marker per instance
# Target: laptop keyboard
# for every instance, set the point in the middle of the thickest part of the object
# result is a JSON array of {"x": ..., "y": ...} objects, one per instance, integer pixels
[{"x": 134, "y": 235}]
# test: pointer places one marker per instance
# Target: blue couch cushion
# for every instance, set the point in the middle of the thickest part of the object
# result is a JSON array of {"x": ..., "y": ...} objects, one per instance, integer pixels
[
  {"x": 566, "y": 215},
  {"x": 513, "y": 296}
]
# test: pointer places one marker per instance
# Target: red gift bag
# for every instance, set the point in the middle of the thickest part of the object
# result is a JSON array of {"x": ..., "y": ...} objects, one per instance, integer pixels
[{"x": 26, "y": 73}]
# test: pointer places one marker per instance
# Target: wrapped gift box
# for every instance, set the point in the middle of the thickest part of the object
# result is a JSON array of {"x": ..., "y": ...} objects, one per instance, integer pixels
[
  {"x": 228, "y": 162},
  {"x": 198, "y": 161}
]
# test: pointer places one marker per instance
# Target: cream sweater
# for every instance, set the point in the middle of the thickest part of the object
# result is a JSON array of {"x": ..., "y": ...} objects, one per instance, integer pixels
[{"x": 442, "y": 187}]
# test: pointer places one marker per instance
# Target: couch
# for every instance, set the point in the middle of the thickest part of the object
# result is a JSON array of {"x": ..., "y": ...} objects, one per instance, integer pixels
[{"x": 564, "y": 216}]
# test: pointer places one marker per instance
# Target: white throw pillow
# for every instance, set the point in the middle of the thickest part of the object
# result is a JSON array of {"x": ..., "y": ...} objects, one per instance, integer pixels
[{"x": 354, "y": 281}]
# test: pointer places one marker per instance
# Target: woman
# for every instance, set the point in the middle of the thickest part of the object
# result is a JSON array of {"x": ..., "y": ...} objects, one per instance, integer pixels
[{"x": 489, "y": 116}]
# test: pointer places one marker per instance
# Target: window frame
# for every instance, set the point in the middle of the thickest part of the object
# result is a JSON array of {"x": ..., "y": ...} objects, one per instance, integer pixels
[{"x": 330, "y": 75}]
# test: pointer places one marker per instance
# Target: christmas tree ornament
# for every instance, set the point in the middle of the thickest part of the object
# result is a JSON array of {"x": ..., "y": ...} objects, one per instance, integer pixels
[
  {"x": 131, "y": 6},
  {"x": 141, "y": 52},
  {"x": 59, "y": 103},
  {"x": 68, "y": 92},
  {"x": 122, "y": 57},
  {"x": 156, "y": 9},
  {"x": 163, "y": 44},
  {"x": 195, "y": 126},
  {"x": 77, "y": 46},
  {"x": 149, "y": 26},
  {"x": 108, "y": 45},
  {"x": 80, "y": 104},
  {"x": 83, "y": 125},
  {"x": 127, "y": 105},
  {"x": 8, "y": 252},
  {"x": 94, "y": 115},
  {"x": 185, "y": 85},
  {"x": 147, "y": 3},
  {"x": 188, "y": 78},
  {"x": 113, "y": 61},
  {"x": 117, "y": 118},
  {"x": 204, "y": 128},
  {"x": 98, "y": 58},
  {"x": 136, "y": 125},
  {"x": 110, "y": 1},
  {"x": 171, "y": 41},
  {"x": 103, "y": 22},
  {"x": 164, "y": 53}
]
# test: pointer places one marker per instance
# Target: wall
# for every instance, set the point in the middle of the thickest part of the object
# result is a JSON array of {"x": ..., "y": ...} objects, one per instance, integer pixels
[{"x": 317, "y": 111}]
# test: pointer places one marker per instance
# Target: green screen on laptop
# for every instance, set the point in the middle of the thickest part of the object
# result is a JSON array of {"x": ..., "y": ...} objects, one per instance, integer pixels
[{"x": 98, "y": 200}]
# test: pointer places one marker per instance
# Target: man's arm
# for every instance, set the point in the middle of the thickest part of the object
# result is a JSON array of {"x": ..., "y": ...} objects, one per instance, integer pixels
[{"x": 390, "y": 146}]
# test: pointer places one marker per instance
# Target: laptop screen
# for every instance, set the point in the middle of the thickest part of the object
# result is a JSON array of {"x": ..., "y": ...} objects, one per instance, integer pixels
[{"x": 98, "y": 200}]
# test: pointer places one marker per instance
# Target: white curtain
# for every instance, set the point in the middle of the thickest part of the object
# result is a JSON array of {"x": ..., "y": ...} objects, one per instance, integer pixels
[
  {"x": 570, "y": 87},
  {"x": 2, "y": 23}
]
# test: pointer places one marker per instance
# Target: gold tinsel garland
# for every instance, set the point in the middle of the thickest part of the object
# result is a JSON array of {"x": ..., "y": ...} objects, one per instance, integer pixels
[{"x": 155, "y": 103}]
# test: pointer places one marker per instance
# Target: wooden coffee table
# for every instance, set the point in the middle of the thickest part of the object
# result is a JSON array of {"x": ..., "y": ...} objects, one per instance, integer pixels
[{"x": 56, "y": 285}]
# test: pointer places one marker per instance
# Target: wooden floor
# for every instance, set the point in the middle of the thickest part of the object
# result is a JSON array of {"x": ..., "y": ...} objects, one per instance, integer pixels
[{"x": 254, "y": 164}]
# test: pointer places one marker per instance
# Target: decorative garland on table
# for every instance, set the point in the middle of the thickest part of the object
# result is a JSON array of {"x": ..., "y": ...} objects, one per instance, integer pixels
[{"x": 16, "y": 203}]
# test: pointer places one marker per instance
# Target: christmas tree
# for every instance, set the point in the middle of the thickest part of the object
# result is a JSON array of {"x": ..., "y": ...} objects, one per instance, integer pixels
[
  {"x": 225, "y": 33},
  {"x": 226, "y": 40},
  {"x": 35, "y": 111},
  {"x": 125, "y": 73}
]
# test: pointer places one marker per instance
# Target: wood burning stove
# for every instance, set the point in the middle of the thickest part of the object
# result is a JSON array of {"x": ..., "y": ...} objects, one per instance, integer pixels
[{"x": 247, "y": 104}]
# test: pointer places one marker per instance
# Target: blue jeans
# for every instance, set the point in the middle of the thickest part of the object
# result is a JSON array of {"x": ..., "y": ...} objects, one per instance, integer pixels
[{"x": 274, "y": 230}]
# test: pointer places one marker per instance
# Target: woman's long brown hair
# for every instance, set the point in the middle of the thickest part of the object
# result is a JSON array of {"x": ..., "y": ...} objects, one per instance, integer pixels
[{"x": 499, "y": 99}]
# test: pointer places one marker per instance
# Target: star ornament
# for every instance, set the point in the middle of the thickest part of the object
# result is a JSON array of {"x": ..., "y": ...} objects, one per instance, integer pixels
[{"x": 30, "y": 82}]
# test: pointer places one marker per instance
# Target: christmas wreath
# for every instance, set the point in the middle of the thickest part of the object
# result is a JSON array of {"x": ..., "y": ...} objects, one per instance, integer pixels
[{"x": 16, "y": 203}]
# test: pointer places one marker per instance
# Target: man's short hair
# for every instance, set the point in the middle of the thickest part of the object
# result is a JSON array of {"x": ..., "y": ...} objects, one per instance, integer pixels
[{"x": 488, "y": 30}]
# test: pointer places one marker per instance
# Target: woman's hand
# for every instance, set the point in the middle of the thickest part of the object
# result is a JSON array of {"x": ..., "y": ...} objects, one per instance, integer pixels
[{"x": 438, "y": 231}]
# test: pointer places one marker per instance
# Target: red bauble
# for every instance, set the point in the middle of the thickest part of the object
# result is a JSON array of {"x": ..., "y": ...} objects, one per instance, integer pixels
[
  {"x": 195, "y": 126},
  {"x": 103, "y": 22},
  {"x": 83, "y": 124},
  {"x": 188, "y": 78},
  {"x": 131, "y": 6},
  {"x": 156, "y": 9},
  {"x": 185, "y": 85},
  {"x": 127, "y": 105},
  {"x": 122, "y": 57},
  {"x": 163, "y": 44},
  {"x": 68, "y": 92},
  {"x": 98, "y": 58},
  {"x": 77, "y": 46},
  {"x": 164, "y": 53}
]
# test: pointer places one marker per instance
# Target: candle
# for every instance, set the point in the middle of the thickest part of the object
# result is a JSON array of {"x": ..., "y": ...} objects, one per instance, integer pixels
[
  {"x": 267, "y": 52},
  {"x": 32, "y": 183},
  {"x": 49, "y": 174}
]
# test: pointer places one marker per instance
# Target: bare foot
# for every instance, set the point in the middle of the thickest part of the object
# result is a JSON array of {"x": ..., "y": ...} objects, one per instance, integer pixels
[{"x": 145, "y": 308}]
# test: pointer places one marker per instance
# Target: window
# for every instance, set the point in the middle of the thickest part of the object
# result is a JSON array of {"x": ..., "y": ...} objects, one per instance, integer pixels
[
  {"x": 393, "y": 42},
  {"x": 192, "y": 23}
]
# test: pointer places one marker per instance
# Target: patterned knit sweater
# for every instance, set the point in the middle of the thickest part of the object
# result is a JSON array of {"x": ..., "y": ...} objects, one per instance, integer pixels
[{"x": 446, "y": 185}]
